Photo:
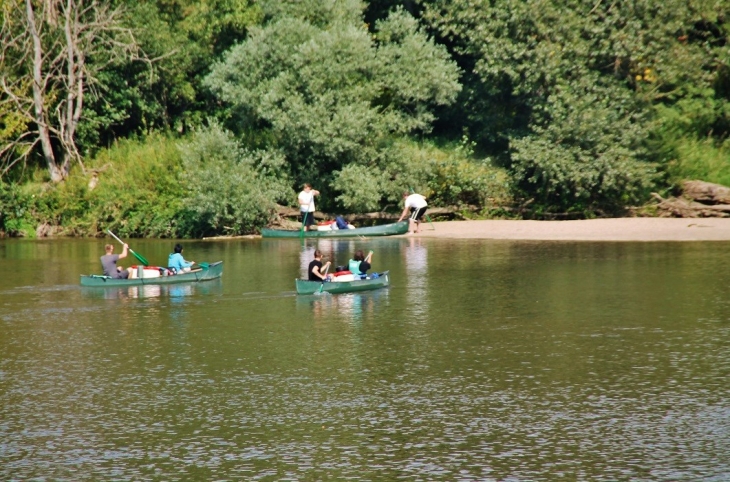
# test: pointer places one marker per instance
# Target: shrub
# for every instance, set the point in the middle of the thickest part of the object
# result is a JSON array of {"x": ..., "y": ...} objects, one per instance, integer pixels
[
  {"x": 15, "y": 218},
  {"x": 229, "y": 189},
  {"x": 447, "y": 176}
]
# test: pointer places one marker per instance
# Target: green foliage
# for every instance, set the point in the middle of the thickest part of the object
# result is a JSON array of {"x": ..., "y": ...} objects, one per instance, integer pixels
[
  {"x": 229, "y": 189},
  {"x": 331, "y": 94},
  {"x": 448, "y": 176},
  {"x": 574, "y": 107},
  {"x": 361, "y": 188},
  {"x": 684, "y": 139},
  {"x": 131, "y": 188},
  {"x": 703, "y": 159},
  {"x": 136, "y": 193},
  {"x": 588, "y": 158},
  {"x": 180, "y": 39},
  {"x": 15, "y": 219},
  {"x": 562, "y": 91},
  {"x": 321, "y": 13}
]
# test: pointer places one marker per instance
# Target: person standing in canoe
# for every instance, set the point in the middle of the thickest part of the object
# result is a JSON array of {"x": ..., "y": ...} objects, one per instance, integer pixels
[
  {"x": 315, "y": 268},
  {"x": 416, "y": 204},
  {"x": 359, "y": 265},
  {"x": 176, "y": 260},
  {"x": 306, "y": 205},
  {"x": 109, "y": 262}
]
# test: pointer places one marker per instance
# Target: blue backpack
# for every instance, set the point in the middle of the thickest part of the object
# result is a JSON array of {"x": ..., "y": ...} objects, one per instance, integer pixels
[{"x": 341, "y": 223}]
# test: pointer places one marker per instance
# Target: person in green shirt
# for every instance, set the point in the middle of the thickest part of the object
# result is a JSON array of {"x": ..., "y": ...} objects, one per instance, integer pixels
[{"x": 359, "y": 265}]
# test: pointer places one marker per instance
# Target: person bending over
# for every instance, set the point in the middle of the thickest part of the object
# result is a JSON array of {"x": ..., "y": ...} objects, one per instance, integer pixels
[{"x": 416, "y": 204}]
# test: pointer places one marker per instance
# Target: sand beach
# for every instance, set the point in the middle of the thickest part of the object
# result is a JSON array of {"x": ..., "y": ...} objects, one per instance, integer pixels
[{"x": 613, "y": 229}]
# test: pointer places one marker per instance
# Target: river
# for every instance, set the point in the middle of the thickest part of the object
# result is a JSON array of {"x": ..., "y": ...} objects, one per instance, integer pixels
[{"x": 483, "y": 361}]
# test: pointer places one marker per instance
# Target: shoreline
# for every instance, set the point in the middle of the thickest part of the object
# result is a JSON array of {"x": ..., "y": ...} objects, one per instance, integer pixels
[{"x": 608, "y": 229}]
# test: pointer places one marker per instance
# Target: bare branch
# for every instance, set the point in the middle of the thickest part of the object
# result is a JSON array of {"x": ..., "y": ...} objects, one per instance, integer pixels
[{"x": 44, "y": 72}]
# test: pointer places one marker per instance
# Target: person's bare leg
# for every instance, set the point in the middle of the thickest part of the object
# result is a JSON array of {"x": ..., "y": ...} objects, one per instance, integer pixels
[{"x": 418, "y": 226}]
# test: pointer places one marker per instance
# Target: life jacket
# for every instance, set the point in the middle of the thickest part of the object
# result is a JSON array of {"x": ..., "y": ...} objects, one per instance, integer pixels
[{"x": 355, "y": 267}]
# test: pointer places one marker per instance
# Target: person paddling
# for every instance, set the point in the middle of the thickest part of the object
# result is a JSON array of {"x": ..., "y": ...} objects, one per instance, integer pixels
[
  {"x": 176, "y": 261},
  {"x": 109, "y": 262},
  {"x": 359, "y": 265},
  {"x": 315, "y": 268}
]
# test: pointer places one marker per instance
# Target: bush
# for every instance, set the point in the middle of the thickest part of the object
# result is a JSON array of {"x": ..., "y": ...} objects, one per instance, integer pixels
[
  {"x": 131, "y": 188},
  {"x": 229, "y": 189},
  {"x": 447, "y": 176},
  {"x": 703, "y": 159},
  {"x": 139, "y": 192},
  {"x": 15, "y": 218}
]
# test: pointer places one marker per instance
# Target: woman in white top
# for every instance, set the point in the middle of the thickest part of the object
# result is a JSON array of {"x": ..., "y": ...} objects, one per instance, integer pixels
[{"x": 416, "y": 204}]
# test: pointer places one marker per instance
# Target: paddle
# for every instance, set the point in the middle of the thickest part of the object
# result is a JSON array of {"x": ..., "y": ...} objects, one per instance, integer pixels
[
  {"x": 325, "y": 277},
  {"x": 304, "y": 220},
  {"x": 141, "y": 258}
]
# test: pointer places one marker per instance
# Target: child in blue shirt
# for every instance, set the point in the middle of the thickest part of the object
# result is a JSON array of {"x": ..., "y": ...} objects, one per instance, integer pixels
[{"x": 176, "y": 260}]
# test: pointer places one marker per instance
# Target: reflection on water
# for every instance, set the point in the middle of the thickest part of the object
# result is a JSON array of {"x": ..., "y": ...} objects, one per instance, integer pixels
[
  {"x": 350, "y": 307},
  {"x": 416, "y": 262},
  {"x": 483, "y": 361},
  {"x": 154, "y": 291}
]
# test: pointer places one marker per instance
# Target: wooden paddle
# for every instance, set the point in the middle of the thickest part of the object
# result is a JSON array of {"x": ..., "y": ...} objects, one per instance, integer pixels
[{"x": 141, "y": 258}]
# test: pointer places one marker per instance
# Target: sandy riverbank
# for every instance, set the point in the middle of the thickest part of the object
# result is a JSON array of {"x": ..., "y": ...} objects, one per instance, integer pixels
[{"x": 618, "y": 229}]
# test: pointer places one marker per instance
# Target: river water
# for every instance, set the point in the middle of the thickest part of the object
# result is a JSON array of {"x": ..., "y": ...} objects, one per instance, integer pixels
[{"x": 484, "y": 360}]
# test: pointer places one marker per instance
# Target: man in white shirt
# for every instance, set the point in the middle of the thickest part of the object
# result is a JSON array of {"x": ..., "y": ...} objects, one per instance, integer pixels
[
  {"x": 306, "y": 205},
  {"x": 416, "y": 204}
]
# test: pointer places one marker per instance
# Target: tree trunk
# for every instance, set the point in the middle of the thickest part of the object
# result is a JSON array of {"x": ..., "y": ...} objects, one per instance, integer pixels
[
  {"x": 57, "y": 173},
  {"x": 75, "y": 86},
  {"x": 46, "y": 44},
  {"x": 706, "y": 192},
  {"x": 699, "y": 199}
]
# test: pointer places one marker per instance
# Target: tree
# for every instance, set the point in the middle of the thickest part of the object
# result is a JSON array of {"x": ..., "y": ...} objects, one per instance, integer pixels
[
  {"x": 331, "y": 94},
  {"x": 50, "y": 54},
  {"x": 566, "y": 92},
  {"x": 230, "y": 189}
]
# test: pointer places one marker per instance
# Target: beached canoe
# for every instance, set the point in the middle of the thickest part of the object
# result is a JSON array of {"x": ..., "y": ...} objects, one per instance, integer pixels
[
  {"x": 382, "y": 230},
  {"x": 204, "y": 273},
  {"x": 372, "y": 282}
]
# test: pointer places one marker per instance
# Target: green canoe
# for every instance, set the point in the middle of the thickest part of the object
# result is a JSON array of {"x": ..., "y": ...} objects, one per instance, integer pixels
[
  {"x": 382, "y": 280},
  {"x": 382, "y": 230},
  {"x": 204, "y": 273}
]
